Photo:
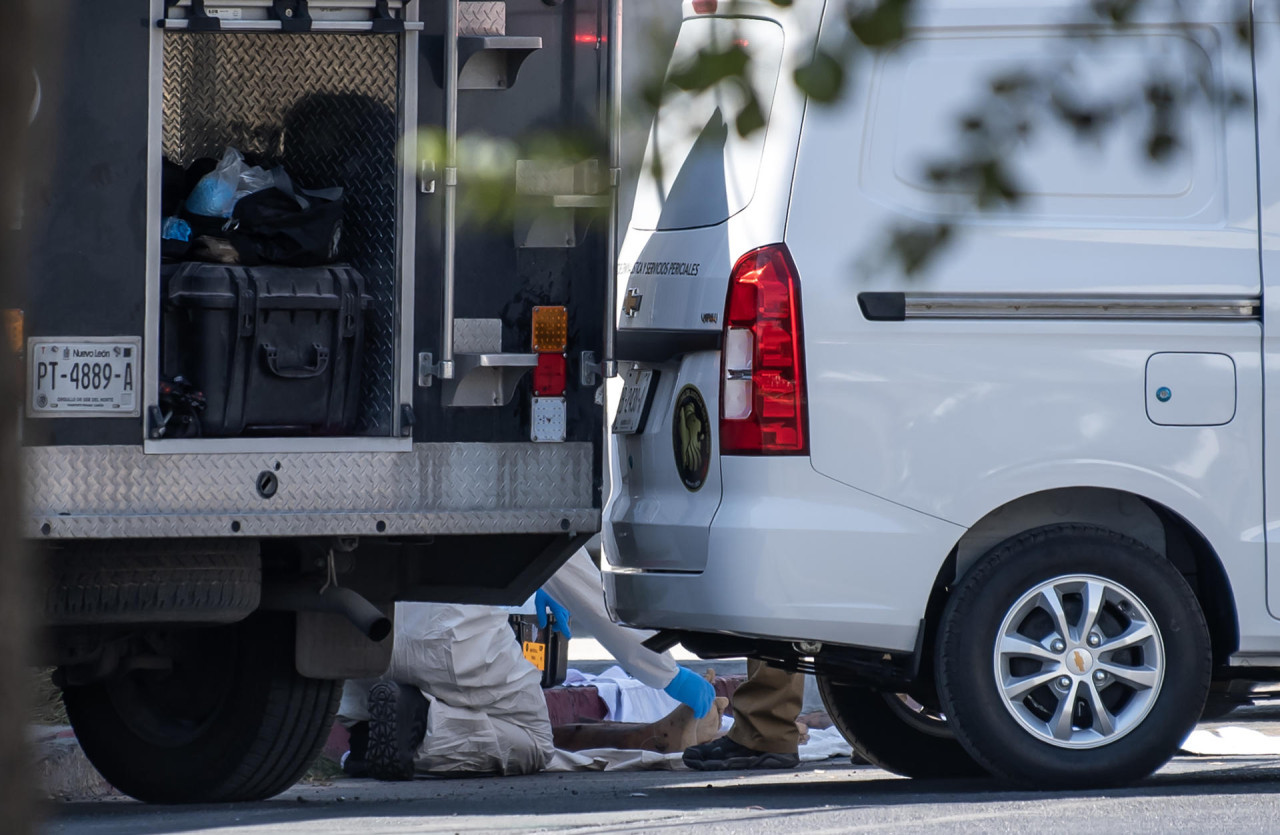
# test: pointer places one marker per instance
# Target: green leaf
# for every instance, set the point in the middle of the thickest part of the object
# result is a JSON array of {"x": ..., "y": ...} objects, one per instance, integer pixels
[
  {"x": 882, "y": 26},
  {"x": 709, "y": 68},
  {"x": 822, "y": 78},
  {"x": 915, "y": 246},
  {"x": 750, "y": 119}
]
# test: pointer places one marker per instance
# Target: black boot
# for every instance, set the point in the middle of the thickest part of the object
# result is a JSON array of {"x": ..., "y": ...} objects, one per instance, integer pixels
[
  {"x": 724, "y": 754},
  {"x": 397, "y": 726}
]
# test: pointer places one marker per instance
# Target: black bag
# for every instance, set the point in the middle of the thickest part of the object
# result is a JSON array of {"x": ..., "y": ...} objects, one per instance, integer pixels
[{"x": 288, "y": 225}]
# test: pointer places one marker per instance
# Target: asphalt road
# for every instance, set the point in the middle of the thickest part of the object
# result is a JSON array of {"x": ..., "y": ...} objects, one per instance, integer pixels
[{"x": 1232, "y": 794}]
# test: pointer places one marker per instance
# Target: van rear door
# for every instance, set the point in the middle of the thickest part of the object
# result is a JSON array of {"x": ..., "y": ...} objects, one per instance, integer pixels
[{"x": 706, "y": 195}]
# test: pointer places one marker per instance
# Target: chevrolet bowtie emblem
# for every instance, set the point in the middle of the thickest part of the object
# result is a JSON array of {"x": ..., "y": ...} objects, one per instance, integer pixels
[{"x": 631, "y": 304}]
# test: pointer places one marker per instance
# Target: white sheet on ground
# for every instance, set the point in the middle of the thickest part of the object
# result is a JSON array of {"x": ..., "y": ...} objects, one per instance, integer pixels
[
  {"x": 824, "y": 744},
  {"x": 613, "y": 759},
  {"x": 626, "y": 699},
  {"x": 1230, "y": 741}
]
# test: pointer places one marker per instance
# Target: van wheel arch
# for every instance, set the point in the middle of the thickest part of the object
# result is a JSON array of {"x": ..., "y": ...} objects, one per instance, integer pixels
[{"x": 1151, "y": 523}]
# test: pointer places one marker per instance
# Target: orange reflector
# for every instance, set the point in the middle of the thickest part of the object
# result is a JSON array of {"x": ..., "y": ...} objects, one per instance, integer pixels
[
  {"x": 13, "y": 328},
  {"x": 550, "y": 329}
]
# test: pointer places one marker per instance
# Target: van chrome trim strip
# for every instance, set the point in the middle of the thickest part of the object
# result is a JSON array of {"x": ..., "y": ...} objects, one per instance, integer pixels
[{"x": 885, "y": 307}]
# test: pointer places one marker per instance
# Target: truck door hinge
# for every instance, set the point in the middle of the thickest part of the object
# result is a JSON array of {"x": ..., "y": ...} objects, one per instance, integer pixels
[
  {"x": 592, "y": 370},
  {"x": 429, "y": 369}
]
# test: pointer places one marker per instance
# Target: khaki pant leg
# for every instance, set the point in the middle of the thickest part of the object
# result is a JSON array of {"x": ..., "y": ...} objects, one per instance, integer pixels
[{"x": 765, "y": 708}]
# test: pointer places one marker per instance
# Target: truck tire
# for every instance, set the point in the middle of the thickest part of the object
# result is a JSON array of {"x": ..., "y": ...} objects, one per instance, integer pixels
[
  {"x": 152, "y": 582},
  {"x": 230, "y": 721},
  {"x": 885, "y": 731},
  {"x": 1072, "y": 656}
]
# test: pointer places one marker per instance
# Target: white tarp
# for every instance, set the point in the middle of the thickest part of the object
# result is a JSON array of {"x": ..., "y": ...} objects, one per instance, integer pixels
[{"x": 626, "y": 699}]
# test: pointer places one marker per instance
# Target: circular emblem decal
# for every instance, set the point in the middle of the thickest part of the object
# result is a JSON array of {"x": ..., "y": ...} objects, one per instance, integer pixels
[
  {"x": 1164, "y": 394},
  {"x": 691, "y": 437}
]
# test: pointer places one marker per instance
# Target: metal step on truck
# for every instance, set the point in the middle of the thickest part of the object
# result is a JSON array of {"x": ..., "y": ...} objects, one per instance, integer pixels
[{"x": 248, "y": 432}]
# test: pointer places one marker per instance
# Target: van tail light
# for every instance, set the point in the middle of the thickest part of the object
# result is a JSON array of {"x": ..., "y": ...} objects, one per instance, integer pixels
[{"x": 763, "y": 400}]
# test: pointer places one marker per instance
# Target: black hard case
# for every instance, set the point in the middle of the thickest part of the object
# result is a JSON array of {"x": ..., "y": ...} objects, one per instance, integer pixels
[{"x": 275, "y": 350}]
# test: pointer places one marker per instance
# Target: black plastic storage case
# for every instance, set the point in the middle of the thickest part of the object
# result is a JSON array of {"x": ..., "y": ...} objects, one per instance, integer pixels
[{"x": 275, "y": 350}]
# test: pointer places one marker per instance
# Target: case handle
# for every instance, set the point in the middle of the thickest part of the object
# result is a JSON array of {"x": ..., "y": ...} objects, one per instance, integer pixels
[{"x": 298, "y": 372}]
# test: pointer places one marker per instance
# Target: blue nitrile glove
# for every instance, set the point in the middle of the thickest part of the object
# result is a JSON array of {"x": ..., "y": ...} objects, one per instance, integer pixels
[
  {"x": 542, "y": 602},
  {"x": 693, "y": 690}
]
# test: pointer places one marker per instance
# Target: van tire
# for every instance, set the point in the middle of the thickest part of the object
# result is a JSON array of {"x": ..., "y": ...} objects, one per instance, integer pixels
[
  {"x": 151, "y": 582},
  {"x": 1013, "y": 734},
  {"x": 231, "y": 721},
  {"x": 884, "y": 736}
]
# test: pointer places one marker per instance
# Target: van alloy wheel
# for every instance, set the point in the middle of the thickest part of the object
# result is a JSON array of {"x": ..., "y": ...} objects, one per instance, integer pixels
[
  {"x": 1080, "y": 661},
  {"x": 1072, "y": 656}
]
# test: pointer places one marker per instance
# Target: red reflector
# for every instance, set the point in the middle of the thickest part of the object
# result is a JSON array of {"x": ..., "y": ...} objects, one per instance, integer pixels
[
  {"x": 585, "y": 38},
  {"x": 705, "y": 6},
  {"x": 767, "y": 412},
  {"x": 549, "y": 375}
]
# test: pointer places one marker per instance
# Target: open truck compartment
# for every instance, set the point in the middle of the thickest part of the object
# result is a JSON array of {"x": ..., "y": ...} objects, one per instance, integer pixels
[
  {"x": 327, "y": 109},
  {"x": 406, "y": 358}
]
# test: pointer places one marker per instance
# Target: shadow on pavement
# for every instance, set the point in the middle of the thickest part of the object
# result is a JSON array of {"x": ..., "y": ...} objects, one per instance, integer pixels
[{"x": 827, "y": 784}]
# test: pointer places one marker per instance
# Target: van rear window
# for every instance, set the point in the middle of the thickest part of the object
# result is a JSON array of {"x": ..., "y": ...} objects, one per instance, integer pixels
[{"x": 708, "y": 171}]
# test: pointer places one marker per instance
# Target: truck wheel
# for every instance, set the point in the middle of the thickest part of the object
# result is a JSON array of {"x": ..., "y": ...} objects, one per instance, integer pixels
[
  {"x": 895, "y": 733},
  {"x": 228, "y": 720},
  {"x": 1072, "y": 656}
]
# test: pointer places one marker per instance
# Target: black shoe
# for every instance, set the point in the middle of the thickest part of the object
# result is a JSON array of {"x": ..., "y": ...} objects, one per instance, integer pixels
[
  {"x": 356, "y": 762},
  {"x": 397, "y": 725},
  {"x": 724, "y": 754}
]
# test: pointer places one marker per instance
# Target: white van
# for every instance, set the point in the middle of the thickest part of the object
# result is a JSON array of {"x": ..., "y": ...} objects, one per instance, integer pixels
[{"x": 1017, "y": 514}]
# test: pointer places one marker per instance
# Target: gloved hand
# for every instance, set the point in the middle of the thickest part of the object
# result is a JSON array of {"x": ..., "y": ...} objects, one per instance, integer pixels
[
  {"x": 693, "y": 690},
  {"x": 542, "y": 602}
]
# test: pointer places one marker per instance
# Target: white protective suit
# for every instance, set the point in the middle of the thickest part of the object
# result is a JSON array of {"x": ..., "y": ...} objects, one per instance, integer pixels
[
  {"x": 579, "y": 588},
  {"x": 487, "y": 713}
]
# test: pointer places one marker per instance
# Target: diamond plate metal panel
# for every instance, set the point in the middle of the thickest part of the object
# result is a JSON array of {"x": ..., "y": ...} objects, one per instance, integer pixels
[
  {"x": 325, "y": 107},
  {"x": 477, "y": 336},
  {"x": 482, "y": 18},
  {"x": 549, "y": 178},
  {"x": 178, "y": 526},
  {"x": 118, "y": 491}
]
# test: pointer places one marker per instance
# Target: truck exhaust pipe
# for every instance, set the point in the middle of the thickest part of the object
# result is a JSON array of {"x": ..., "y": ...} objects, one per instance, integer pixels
[{"x": 366, "y": 617}]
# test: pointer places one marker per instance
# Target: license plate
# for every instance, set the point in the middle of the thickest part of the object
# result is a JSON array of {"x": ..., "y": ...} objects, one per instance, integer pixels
[
  {"x": 633, "y": 407},
  {"x": 83, "y": 377}
]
